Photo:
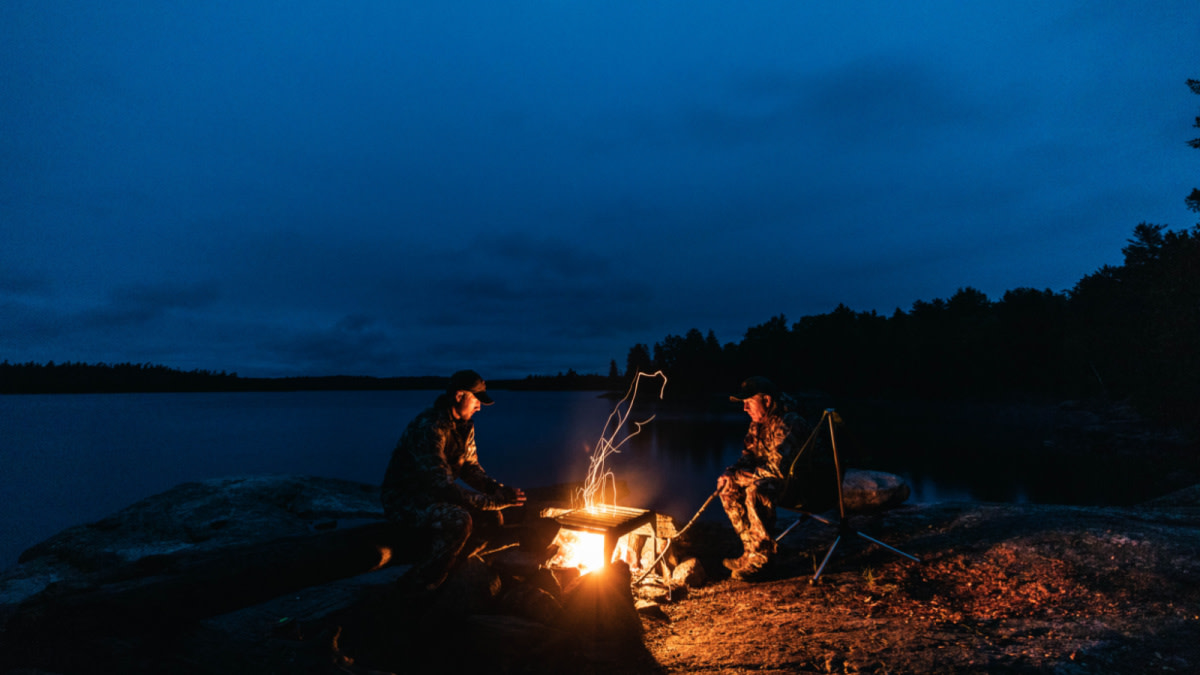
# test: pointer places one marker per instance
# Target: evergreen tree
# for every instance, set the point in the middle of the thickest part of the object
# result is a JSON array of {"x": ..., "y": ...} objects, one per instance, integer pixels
[{"x": 1193, "y": 200}]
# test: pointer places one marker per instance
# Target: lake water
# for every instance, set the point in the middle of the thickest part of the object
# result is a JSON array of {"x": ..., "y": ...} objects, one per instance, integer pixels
[{"x": 72, "y": 459}]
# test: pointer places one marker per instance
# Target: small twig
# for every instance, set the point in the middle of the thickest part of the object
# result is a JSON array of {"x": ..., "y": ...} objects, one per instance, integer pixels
[{"x": 497, "y": 550}]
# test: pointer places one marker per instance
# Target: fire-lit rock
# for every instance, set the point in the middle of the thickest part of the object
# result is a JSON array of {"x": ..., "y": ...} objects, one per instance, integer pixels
[
  {"x": 689, "y": 573},
  {"x": 651, "y": 610}
]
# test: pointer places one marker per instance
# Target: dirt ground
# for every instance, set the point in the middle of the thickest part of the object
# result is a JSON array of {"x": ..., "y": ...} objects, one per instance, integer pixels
[{"x": 998, "y": 589}]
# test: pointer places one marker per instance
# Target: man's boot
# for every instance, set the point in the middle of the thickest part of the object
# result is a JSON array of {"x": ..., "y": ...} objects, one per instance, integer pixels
[
  {"x": 754, "y": 569},
  {"x": 735, "y": 563}
]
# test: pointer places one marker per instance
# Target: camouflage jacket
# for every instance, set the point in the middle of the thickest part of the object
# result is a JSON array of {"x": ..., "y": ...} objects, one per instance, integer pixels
[
  {"x": 770, "y": 445},
  {"x": 433, "y": 454}
]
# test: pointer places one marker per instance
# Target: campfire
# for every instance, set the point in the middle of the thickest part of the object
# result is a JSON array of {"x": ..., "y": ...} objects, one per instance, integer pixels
[
  {"x": 597, "y": 532},
  {"x": 592, "y": 539}
]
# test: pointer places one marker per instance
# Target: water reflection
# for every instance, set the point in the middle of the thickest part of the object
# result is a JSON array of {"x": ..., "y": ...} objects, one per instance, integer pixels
[
  {"x": 675, "y": 462},
  {"x": 678, "y": 461},
  {"x": 70, "y": 459}
]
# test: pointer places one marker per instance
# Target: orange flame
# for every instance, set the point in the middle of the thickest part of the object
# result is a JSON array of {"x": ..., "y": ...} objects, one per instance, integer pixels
[{"x": 584, "y": 550}]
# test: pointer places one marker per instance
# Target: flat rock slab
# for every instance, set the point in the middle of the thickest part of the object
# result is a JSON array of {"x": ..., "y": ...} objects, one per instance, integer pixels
[{"x": 210, "y": 514}]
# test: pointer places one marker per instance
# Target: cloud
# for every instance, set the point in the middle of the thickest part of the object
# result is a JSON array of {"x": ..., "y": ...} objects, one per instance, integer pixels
[
  {"x": 20, "y": 283},
  {"x": 356, "y": 345},
  {"x": 138, "y": 304}
]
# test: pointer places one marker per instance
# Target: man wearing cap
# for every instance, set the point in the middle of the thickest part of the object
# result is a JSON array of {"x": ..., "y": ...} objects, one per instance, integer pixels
[
  {"x": 421, "y": 486},
  {"x": 750, "y": 487}
]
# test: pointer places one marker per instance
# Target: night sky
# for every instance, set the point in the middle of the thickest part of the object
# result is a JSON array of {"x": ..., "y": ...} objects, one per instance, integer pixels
[{"x": 395, "y": 188}]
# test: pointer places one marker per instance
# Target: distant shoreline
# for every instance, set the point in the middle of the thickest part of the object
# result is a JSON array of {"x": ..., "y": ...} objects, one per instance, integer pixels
[{"x": 127, "y": 378}]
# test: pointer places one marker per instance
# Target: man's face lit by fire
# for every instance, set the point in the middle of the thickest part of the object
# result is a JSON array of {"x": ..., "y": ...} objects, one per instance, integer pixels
[
  {"x": 756, "y": 407},
  {"x": 465, "y": 405}
]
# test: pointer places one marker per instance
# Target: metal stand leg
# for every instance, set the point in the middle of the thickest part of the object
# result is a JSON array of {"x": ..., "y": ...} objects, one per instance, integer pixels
[
  {"x": 890, "y": 548},
  {"x": 846, "y": 529},
  {"x": 828, "y": 554},
  {"x": 789, "y": 528},
  {"x": 842, "y": 523}
]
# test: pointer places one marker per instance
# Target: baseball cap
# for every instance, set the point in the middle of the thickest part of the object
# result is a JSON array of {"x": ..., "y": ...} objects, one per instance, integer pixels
[
  {"x": 469, "y": 380},
  {"x": 753, "y": 386}
]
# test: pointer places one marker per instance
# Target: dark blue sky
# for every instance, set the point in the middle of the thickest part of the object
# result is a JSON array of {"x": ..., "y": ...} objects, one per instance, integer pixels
[{"x": 386, "y": 188}]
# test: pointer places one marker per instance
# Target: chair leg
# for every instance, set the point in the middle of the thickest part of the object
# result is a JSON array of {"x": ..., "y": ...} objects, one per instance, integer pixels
[
  {"x": 804, "y": 515},
  {"x": 843, "y": 528},
  {"x": 801, "y": 518},
  {"x": 842, "y": 524},
  {"x": 828, "y": 555},
  {"x": 893, "y": 549}
]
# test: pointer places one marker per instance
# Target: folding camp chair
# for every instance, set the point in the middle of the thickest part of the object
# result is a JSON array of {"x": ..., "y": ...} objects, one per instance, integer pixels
[{"x": 809, "y": 494}]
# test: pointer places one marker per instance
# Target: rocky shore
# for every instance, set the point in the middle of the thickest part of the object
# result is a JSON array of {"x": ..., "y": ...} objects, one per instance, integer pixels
[{"x": 283, "y": 574}]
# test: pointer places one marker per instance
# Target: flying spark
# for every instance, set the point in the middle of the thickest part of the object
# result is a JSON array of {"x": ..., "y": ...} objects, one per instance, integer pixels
[{"x": 600, "y": 479}]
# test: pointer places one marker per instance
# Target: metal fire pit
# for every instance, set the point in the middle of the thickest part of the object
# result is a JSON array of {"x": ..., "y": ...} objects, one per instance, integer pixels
[{"x": 613, "y": 522}]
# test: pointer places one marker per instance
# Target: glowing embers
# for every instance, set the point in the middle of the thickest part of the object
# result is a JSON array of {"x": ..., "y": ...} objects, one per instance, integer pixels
[
  {"x": 590, "y": 539},
  {"x": 582, "y": 550}
]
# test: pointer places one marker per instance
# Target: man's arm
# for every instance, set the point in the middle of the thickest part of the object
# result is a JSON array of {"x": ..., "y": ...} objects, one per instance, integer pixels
[{"x": 492, "y": 495}]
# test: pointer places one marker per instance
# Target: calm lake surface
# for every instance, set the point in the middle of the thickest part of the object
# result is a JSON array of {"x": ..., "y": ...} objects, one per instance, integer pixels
[{"x": 69, "y": 459}]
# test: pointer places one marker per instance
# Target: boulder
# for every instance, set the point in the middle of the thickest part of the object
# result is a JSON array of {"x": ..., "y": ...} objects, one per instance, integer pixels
[
  {"x": 689, "y": 573},
  {"x": 869, "y": 491}
]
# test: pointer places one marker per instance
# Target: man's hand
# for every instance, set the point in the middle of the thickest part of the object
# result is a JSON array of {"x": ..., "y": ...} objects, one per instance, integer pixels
[{"x": 511, "y": 497}]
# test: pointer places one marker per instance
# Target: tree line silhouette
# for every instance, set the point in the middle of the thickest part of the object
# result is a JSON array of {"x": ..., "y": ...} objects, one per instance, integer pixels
[
  {"x": 1130, "y": 331},
  {"x": 84, "y": 378}
]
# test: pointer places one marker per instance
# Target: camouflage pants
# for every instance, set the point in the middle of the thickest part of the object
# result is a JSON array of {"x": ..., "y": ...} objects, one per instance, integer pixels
[
  {"x": 450, "y": 527},
  {"x": 749, "y": 502}
]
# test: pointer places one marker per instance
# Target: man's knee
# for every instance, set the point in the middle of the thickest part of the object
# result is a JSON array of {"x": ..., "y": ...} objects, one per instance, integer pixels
[
  {"x": 448, "y": 525},
  {"x": 452, "y": 522}
]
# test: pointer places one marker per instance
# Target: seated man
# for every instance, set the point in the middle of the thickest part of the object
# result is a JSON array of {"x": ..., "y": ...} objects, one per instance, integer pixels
[
  {"x": 750, "y": 488},
  {"x": 421, "y": 489}
]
